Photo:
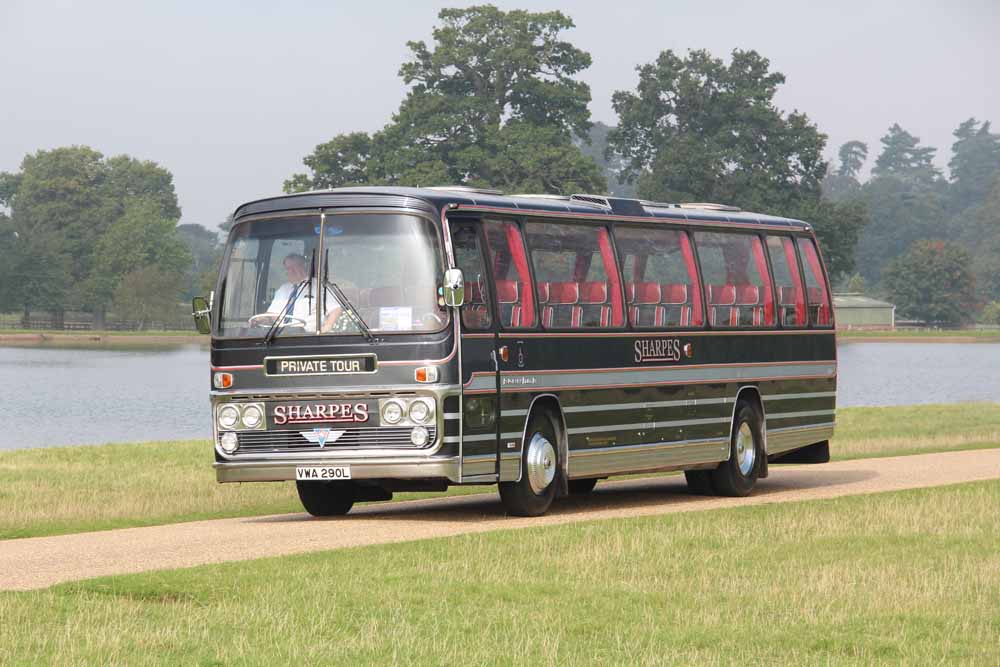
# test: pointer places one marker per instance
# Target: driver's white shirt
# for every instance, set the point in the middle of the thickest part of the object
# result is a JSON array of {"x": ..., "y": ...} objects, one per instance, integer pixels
[{"x": 304, "y": 307}]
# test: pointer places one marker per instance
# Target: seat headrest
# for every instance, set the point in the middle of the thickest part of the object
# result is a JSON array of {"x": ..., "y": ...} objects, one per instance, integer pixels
[
  {"x": 674, "y": 295},
  {"x": 594, "y": 292}
]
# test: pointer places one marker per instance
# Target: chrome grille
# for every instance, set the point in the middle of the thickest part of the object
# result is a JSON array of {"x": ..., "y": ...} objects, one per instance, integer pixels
[{"x": 292, "y": 441}]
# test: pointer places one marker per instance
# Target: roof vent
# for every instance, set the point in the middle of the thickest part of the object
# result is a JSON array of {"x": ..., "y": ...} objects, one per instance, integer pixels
[
  {"x": 542, "y": 196},
  {"x": 467, "y": 189},
  {"x": 596, "y": 200},
  {"x": 710, "y": 207}
]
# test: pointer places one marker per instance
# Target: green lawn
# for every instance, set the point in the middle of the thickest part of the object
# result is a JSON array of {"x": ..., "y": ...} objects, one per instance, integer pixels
[
  {"x": 73, "y": 489},
  {"x": 986, "y": 334},
  {"x": 896, "y": 578}
]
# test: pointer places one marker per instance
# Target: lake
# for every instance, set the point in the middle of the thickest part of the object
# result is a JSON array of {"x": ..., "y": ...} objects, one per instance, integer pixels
[{"x": 54, "y": 396}]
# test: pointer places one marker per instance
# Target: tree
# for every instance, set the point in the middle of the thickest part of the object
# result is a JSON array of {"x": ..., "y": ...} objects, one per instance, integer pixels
[
  {"x": 141, "y": 238},
  {"x": 61, "y": 203},
  {"x": 147, "y": 293},
  {"x": 906, "y": 199},
  {"x": 203, "y": 245},
  {"x": 843, "y": 184},
  {"x": 595, "y": 146},
  {"x": 902, "y": 155},
  {"x": 697, "y": 129},
  {"x": 494, "y": 103},
  {"x": 975, "y": 164},
  {"x": 932, "y": 282}
]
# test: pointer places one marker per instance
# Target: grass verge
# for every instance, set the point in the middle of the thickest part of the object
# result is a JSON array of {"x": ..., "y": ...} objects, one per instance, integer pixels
[
  {"x": 73, "y": 489},
  {"x": 927, "y": 335},
  {"x": 896, "y": 578}
]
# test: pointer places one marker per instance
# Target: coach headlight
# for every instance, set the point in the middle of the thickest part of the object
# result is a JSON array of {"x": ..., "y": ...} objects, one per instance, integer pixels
[
  {"x": 420, "y": 411},
  {"x": 393, "y": 412},
  {"x": 229, "y": 442},
  {"x": 418, "y": 436},
  {"x": 229, "y": 416},
  {"x": 252, "y": 416}
]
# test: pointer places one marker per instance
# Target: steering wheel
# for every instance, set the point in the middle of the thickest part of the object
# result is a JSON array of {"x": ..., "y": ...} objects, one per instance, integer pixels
[
  {"x": 267, "y": 319},
  {"x": 433, "y": 316}
]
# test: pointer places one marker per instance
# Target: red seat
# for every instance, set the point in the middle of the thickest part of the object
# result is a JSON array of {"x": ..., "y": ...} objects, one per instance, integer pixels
[
  {"x": 750, "y": 309},
  {"x": 561, "y": 309},
  {"x": 818, "y": 307},
  {"x": 594, "y": 308},
  {"x": 676, "y": 308},
  {"x": 789, "y": 301},
  {"x": 509, "y": 303},
  {"x": 644, "y": 304},
  {"x": 722, "y": 301}
]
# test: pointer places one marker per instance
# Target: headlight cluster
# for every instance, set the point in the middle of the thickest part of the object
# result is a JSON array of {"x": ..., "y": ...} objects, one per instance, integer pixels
[
  {"x": 406, "y": 411},
  {"x": 240, "y": 416}
]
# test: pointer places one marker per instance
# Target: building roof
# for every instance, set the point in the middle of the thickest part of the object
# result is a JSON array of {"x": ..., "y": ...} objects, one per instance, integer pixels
[{"x": 857, "y": 300}]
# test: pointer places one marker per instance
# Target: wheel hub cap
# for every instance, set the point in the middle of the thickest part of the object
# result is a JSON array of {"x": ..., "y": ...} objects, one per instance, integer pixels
[
  {"x": 540, "y": 463},
  {"x": 746, "y": 451}
]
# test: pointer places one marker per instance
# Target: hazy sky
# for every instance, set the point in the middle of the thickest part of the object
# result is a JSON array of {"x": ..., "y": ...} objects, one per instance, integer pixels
[{"x": 230, "y": 96}]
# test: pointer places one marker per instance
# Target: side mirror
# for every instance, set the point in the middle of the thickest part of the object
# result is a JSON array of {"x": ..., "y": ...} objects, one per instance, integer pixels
[
  {"x": 454, "y": 288},
  {"x": 201, "y": 310}
]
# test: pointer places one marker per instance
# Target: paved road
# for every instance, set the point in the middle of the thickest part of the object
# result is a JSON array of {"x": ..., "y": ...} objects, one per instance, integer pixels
[{"x": 40, "y": 562}]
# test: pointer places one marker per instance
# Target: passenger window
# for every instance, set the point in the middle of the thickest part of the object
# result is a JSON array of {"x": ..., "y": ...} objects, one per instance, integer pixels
[
  {"x": 661, "y": 279},
  {"x": 737, "y": 283},
  {"x": 576, "y": 276},
  {"x": 515, "y": 300},
  {"x": 475, "y": 308},
  {"x": 787, "y": 281},
  {"x": 818, "y": 296}
]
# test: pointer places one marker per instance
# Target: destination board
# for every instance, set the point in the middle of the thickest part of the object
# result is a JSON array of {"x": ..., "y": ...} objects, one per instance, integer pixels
[{"x": 339, "y": 365}]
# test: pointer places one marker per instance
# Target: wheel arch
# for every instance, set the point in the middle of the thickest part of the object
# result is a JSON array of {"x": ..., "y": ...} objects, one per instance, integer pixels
[{"x": 551, "y": 404}]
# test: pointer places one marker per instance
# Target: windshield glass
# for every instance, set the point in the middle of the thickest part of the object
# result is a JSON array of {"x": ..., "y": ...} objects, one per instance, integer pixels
[{"x": 387, "y": 266}]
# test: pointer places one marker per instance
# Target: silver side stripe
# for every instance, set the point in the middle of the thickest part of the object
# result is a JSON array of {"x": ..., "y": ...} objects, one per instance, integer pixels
[
  {"x": 805, "y": 427},
  {"x": 492, "y": 457},
  {"x": 680, "y": 374},
  {"x": 784, "y": 397},
  {"x": 452, "y": 415},
  {"x": 647, "y": 425},
  {"x": 514, "y": 413},
  {"x": 646, "y": 447},
  {"x": 483, "y": 437},
  {"x": 806, "y": 413},
  {"x": 646, "y": 404}
]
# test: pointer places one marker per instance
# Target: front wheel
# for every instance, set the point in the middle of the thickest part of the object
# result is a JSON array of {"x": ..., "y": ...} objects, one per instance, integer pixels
[
  {"x": 532, "y": 494},
  {"x": 738, "y": 475},
  {"x": 326, "y": 498}
]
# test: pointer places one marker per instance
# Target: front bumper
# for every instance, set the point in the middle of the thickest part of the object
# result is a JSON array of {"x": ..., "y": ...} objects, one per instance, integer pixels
[{"x": 388, "y": 467}]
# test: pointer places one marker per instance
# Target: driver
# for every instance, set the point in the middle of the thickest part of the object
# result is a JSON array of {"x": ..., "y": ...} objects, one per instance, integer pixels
[{"x": 297, "y": 269}]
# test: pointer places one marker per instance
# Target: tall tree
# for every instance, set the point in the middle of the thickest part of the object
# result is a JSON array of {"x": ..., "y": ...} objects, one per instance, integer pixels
[
  {"x": 902, "y": 155},
  {"x": 843, "y": 184},
  {"x": 932, "y": 282},
  {"x": 493, "y": 102},
  {"x": 203, "y": 246},
  {"x": 698, "y": 129},
  {"x": 974, "y": 165},
  {"x": 595, "y": 146},
  {"x": 906, "y": 201}
]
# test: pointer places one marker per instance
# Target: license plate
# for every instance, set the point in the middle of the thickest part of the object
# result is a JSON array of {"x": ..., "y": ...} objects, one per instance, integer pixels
[{"x": 322, "y": 473}]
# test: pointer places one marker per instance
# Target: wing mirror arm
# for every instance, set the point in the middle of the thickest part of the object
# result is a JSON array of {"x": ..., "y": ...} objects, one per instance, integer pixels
[{"x": 201, "y": 311}]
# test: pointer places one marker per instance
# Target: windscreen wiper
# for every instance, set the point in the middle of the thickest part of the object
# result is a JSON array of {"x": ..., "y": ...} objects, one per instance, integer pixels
[
  {"x": 345, "y": 302},
  {"x": 269, "y": 336},
  {"x": 296, "y": 291}
]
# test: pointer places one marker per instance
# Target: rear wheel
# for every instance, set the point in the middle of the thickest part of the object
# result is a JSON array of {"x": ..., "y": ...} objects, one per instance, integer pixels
[
  {"x": 581, "y": 487},
  {"x": 738, "y": 475},
  {"x": 532, "y": 495},
  {"x": 326, "y": 498}
]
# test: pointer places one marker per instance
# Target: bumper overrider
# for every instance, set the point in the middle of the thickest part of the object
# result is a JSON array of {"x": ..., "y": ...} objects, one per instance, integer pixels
[{"x": 297, "y": 431}]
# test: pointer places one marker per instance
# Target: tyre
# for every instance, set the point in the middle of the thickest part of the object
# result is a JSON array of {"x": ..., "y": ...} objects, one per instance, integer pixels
[
  {"x": 533, "y": 493},
  {"x": 699, "y": 482},
  {"x": 738, "y": 475},
  {"x": 581, "y": 487},
  {"x": 326, "y": 498}
]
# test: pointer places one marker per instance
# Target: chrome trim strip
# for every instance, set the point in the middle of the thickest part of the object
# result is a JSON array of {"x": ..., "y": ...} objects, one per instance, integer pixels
[
  {"x": 647, "y": 425},
  {"x": 385, "y": 468},
  {"x": 812, "y": 394},
  {"x": 653, "y": 456},
  {"x": 805, "y": 413},
  {"x": 793, "y": 437},
  {"x": 647, "y": 404},
  {"x": 452, "y": 415}
]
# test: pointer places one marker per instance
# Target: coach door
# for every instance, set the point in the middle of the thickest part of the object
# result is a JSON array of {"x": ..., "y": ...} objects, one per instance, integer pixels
[{"x": 479, "y": 361}]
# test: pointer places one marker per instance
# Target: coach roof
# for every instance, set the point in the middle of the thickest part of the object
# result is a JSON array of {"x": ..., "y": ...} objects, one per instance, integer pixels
[{"x": 594, "y": 206}]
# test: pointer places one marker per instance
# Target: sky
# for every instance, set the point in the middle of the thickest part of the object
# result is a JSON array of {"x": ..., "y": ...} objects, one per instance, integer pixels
[{"x": 231, "y": 95}]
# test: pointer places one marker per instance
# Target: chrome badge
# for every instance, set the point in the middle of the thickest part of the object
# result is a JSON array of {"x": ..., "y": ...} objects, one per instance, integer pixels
[{"x": 321, "y": 436}]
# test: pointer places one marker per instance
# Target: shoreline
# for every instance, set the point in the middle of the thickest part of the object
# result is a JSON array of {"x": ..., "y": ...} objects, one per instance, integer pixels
[{"x": 100, "y": 339}]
